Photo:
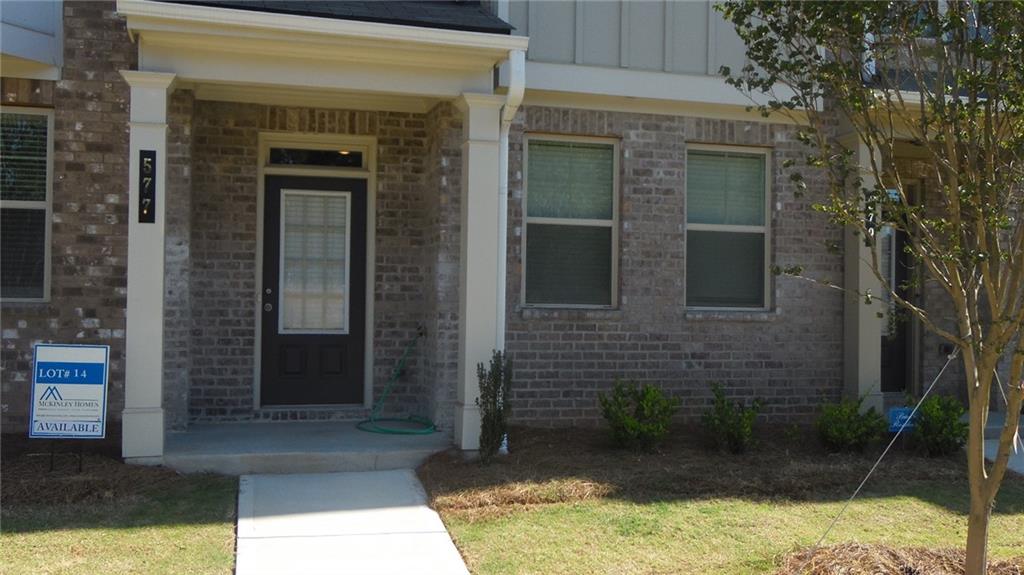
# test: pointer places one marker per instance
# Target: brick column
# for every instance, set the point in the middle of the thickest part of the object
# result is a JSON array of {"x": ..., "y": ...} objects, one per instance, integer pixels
[
  {"x": 478, "y": 267},
  {"x": 143, "y": 416},
  {"x": 862, "y": 337}
]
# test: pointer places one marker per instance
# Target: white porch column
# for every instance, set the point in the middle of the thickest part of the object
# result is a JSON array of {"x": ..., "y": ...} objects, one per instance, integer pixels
[
  {"x": 143, "y": 415},
  {"x": 862, "y": 325},
  {"x": 478, "y": 266}
]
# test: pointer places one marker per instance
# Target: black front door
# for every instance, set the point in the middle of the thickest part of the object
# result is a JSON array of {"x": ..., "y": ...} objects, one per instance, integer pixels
[
  {"x": 897, "y": 336},
  {"x": 314, "y": 291}
]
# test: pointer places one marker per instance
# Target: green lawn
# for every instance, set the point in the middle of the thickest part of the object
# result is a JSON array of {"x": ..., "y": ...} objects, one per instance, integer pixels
[
  {"x": 114, "y": 518},
  {"x": 565, "y": 503}
]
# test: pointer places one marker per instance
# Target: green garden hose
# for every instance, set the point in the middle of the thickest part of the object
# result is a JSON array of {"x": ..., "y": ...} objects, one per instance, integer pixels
[{"x": 416, "y": 425}]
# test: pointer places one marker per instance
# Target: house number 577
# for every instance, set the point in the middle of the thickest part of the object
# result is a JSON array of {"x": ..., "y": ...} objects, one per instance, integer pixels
[{"x": 147, "y": 186}]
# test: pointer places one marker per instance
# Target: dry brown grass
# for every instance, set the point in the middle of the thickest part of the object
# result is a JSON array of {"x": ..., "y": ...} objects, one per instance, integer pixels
[
  {"x": 858, "y": 559},
  {"x": 28, "y": 481},
  {"x": 556, "y": 466}
]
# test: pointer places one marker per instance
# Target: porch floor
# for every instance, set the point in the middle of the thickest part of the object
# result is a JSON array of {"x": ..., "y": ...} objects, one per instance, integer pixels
[{"x": 294, "y": 447}]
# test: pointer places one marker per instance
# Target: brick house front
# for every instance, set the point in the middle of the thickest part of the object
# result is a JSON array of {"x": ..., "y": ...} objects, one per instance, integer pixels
[{"x": 332, "y": 178}]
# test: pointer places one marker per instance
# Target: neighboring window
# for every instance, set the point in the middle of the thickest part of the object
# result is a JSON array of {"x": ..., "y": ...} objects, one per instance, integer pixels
[
  {"x": 25, "y": 176},
  {"x": 726, "y": 228},
  {"x": 571, "y": 222}
]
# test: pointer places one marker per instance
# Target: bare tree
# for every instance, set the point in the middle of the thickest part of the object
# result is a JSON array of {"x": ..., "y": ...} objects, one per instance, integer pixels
[{"x": 948, "y": 77}]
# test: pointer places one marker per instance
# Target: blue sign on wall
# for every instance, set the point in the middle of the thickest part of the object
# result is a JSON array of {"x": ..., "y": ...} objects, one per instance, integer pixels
[
  {"x": 69, "y": 391},
  {"x": 898, "y": 416}
]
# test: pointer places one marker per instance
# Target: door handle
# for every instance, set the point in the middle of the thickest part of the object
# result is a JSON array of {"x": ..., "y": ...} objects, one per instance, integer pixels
[{"x": 268, "y": 307}]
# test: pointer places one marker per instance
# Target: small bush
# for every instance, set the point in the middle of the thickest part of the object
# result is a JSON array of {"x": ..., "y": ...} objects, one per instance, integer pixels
[
  {"x": 730, "y": 424},
  {"x": 938, "y": 429},
  {"x": 494, "y": 406},
  {"x": 842, "y": 426},
  {"x": 638, "y": 416}
]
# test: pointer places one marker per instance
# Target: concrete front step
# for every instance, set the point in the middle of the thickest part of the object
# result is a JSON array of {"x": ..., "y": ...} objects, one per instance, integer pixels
[{"x": 295, "y": 447}]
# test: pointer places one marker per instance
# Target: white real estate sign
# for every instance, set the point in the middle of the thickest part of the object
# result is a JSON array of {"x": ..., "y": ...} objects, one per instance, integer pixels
[{"x": 69, "y": 391}]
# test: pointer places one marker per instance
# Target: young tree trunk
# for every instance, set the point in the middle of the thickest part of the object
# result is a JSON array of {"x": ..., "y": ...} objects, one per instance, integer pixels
[
  {"x": 981, "y": 504},
  {"x": 977, "y": 534}
]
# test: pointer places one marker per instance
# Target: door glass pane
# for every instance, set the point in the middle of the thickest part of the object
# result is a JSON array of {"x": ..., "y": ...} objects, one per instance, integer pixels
[
  {"x": 725, "y": 188},
  {"x": 724, "y": 269},
  {"x": 568, "y": 265},
  {"x": 23, "y": 157},
  {"x": 314, "y": 262},
  {"x": 570, "y": 180}
]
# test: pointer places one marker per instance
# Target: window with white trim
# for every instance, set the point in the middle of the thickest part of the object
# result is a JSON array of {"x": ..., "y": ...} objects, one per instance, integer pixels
[
  {"x": 727, "y": 240},
  {"x": 571, "y": 230},
  {"x": 26, "y": 167}
]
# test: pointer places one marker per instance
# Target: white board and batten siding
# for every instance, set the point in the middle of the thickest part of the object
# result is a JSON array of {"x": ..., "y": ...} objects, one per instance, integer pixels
[{"x": 681, "y": 37}]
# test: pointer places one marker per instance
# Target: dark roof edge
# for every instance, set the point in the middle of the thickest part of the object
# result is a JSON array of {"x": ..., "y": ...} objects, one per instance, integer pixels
[{"x": 397, "y": 21}]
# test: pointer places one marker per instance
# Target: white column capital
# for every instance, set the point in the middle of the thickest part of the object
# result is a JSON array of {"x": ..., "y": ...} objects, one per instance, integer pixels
[
  {"x": 149, "y": 80},
  {"x": 149, "y": 92},
  {"x": 481, "y": 115}
]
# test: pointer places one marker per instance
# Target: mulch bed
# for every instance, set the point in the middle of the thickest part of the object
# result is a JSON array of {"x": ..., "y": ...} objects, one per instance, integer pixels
[
  {"x": 27, "y": 481},
  {"x": 857, "y": 559},
  {"x": 563, "y": 465}
]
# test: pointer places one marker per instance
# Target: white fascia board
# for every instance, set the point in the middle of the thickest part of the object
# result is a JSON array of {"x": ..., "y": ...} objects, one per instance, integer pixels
[
  {"x": 716, "y": 111},
  {"x": 275, "y": 71},
  {"x": 146, "y": 14},
  {"x": 595, "y": 80}
]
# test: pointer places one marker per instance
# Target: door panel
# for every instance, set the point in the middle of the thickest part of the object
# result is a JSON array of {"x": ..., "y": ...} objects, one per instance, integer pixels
[{"x": 314, "y": 291}]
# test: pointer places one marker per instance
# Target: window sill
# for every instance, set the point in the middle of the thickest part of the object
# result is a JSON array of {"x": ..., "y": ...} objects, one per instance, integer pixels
[
  {"x": 731, "y": 315},
  {"x": 565, "y": 313}
]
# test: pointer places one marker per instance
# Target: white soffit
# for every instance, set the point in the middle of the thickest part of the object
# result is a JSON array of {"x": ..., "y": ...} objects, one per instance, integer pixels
[
  {"x": 257, "y": 33},
  {"x": 291, "y": 96}
]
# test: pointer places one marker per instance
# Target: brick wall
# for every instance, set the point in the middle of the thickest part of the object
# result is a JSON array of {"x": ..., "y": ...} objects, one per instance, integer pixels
[
  {"x": 177, "y": 260},
  {"x": 90, "y": 207},
  {"x": 441, "y": 266},
  {"x": 790, "y": 357}
]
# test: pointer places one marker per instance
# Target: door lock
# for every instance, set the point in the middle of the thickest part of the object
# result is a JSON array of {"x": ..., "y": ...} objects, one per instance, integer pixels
[{"x": 268, "y": 307}]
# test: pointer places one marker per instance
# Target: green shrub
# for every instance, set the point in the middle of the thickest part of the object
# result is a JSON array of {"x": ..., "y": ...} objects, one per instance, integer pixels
[
  {"x": 842, "y": 426},
  {"x": 638, "y": 416},
  {"x": 494, "y": 406},
  {"x": 730, "y": 424},
  {"x": 938, "y": 429}
]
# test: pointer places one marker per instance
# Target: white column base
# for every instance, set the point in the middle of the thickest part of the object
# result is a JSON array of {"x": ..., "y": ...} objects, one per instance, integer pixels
[
  {"x": 467, "y": 426},
  {"x": 142, "y": 433},
  {"x": 874, "y": 399}
]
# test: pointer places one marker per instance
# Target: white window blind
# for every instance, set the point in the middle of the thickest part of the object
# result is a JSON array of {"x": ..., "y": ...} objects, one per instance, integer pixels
[
  {"x": 727, "y": 231},
  {"x": 314, "y": 262},
  {"x": 570, "y": 223}
]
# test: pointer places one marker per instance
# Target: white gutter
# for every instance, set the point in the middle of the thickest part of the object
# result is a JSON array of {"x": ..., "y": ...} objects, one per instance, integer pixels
[{"x": 513, "y": 98}]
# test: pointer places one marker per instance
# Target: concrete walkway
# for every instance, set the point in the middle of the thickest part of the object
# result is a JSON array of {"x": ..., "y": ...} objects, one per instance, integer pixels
[
  {"x": 359, "y": 523},
  {"x": 1016, "y": 462}
]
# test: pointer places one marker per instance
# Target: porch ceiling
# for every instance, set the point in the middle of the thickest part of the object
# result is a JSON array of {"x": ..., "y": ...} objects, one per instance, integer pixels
[{"x": 208, "y": 45}]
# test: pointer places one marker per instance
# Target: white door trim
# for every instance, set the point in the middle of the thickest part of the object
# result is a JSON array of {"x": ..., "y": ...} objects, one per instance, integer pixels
[{"x": 365, "y": 144}]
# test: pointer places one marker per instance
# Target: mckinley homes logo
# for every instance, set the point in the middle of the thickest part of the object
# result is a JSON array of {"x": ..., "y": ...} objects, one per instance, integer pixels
[
  {"x": 52, "y": 397},
  {"x": 52, "y": 393}
]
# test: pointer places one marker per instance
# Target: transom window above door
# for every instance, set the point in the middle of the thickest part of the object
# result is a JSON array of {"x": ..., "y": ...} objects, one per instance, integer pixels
[
  {"x": 328, "y": 158},
  {"x": 727, "y": 241},
  {"x": 571, "y": 228}
]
